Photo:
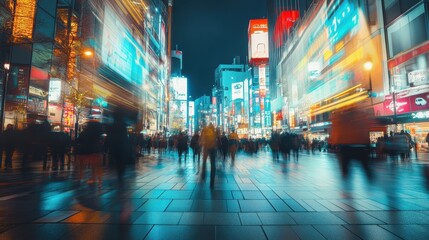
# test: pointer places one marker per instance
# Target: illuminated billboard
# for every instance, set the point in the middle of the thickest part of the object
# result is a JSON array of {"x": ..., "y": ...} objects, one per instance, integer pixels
[
  {"x": 258, "y": 41},
  {"x": 342, "y": 20},
  {"x": 179, "y": 87},
  {"x": 120, "y": 51},
  {"x": 284, "y": 23},
  {"x": 237, "y": 90},
  {"x": 54, "y": 90}
]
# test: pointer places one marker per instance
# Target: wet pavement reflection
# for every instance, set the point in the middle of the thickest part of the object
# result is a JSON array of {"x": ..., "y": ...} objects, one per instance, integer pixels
[{"x": 319, "y": 196}]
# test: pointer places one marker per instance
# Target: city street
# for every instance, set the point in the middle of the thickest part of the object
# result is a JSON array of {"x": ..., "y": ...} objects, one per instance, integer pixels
[{"x": 257, "y": 198}]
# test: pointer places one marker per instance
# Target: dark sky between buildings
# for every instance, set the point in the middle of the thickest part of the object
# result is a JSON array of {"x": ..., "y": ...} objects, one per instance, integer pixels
[{"x": 211, "y": 32}]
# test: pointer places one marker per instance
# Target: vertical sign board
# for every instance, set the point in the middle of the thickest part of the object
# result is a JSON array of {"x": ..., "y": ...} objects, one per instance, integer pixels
[
  {"x": 258, "y": 41},
  {"x": 262, "y": 83}
]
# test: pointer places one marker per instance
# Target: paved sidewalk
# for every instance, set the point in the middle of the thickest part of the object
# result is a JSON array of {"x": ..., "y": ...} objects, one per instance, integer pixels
[{"x": 257, "y": 198}]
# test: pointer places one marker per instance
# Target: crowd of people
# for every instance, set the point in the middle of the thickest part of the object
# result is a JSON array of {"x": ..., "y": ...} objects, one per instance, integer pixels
[{"x": 116, "y": 145}]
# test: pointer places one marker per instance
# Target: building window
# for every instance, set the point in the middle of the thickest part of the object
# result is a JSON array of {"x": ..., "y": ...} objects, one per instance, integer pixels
[{"x": 409, "y": 31}]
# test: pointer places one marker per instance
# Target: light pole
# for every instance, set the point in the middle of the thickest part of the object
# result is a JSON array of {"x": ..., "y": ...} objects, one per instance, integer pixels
[
  {"x": 368, "y": 67},
  {"x": 6, "y": 80},
  {"x": 145, "y": 109}
]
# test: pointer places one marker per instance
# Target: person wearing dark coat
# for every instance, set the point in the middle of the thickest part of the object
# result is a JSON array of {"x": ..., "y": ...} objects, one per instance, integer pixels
[
  {"x": 59, "y": 143},
  {"x": 195, "y": 145},
  {"x": 224, "y": 145},
  {"x": 118, "y": 144},
  {"x": 89, "y": 150},
  {"x": 8, "y": 144},
  {"x": 182, "y": 146}
]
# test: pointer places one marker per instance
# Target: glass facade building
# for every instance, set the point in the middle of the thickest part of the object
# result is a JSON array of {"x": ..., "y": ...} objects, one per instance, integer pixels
[{"x": 112, "y": 54}]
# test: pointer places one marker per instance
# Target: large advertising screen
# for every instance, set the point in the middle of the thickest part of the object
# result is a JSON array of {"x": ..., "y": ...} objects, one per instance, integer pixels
[
  {"x": 179, "y": 87},
  {"x": 342, "y": 20},
  {"x": 258, "y": 40},
  {"x": 120, "y": 51},
  {"x": 237, "y": 90}
]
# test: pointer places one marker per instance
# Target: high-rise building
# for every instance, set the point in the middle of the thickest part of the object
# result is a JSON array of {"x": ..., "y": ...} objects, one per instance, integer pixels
[
  {"x": 282, "y": 16},
  {"x": 202, "y": 112},
  {"x": 259, "y": 95},
  {"x": 405, "y": 106},
  {"x": 229, "y": 92},
  {"x": 334, "y": 59},
  {"x": 65, "y": 71}
]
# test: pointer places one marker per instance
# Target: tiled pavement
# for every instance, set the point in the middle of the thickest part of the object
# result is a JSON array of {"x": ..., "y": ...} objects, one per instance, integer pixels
[{"x": 257, "y": 198}]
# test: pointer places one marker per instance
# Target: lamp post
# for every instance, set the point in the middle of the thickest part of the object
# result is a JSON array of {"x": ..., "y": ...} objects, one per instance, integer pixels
[
  {"x": 145, "y": 109},
  {"x": 6, "y": 80},
  {"x": 368, "y": 67},
  {"x": 394, "y": 107}
]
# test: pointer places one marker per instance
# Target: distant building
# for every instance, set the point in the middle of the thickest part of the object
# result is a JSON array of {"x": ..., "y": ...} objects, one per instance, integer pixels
[
  {"x": 282, "y": 15},
  {"x": 229, "y": 94},
  {"x": 202, "y": 112}
]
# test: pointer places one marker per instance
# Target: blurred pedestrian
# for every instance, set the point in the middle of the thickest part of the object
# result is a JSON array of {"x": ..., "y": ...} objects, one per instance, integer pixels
[
  {"x": 353, "y": 141},
  {"x": 182, "y": 145},
  {"x": 89, "y": 151},
  {"x": 59, "y": 143},
  {"x": 224, "y": 148},
  {"x": 233, "y": 145},
  {"x": 8, "y": 142},
  {"x": 209, "y": 142},
  {"x": 275, "y": 144},
  {"x": 195, "y": 145},
  {"x": 117, "y": 141}
]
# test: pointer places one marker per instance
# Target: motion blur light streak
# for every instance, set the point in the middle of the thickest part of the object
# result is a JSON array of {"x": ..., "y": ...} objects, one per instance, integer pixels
[
  {"x": 354, "y": 98},
  {"x": 343, "y": 93}
]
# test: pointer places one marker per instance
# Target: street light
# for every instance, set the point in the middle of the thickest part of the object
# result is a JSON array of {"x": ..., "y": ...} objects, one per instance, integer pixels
[
  {"x": 88, "y": 53},
  {"x": 368, "y": 67},
  {"x": 6, "y": 69}
]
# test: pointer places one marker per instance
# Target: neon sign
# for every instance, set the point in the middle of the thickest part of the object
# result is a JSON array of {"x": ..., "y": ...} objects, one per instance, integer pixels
[{"x": 342, "y": 21}]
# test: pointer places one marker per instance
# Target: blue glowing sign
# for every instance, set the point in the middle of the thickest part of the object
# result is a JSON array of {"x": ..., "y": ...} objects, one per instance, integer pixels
[
  {"x": 342, "y": 21},
  {"x": 120, "y": 51}
]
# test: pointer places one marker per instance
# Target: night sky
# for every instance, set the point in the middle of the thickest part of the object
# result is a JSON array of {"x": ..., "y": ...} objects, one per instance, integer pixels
[{"x": 211, "y": 32}]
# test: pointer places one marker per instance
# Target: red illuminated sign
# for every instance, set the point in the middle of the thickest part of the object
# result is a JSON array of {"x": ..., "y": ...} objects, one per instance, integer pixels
[
  {"x": 284, "y": 23},
  {"x": 405, "y": 104},
  {"x": 68, "y": 115}
]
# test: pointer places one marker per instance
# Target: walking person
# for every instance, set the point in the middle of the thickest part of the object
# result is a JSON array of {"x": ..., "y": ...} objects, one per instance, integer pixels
[
  {"x": 59, "y": 142},
  {"x": 233, "y": 145},
  {"x": 117, "y": 142},
  {"x": 275, "y": 145},
  {"x": 195, "y": 145},
  {"x": 89, "y": 151},
  {"x": 224, "y": 146},
  {"x": 8, "y": 145},
  {"x": 182, "y": 146},
  {"x": 295, "y": 146},
  {"x": 209, "y": 142}
]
